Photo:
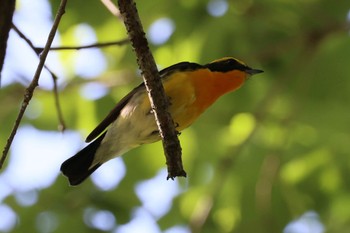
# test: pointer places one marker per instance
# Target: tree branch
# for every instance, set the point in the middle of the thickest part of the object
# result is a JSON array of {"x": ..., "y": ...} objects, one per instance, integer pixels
[
  {"x": 30, "y": 89},
  {"x": 94, "y": 45},
  {"x": 159, "y": 101},
  {"x": 38, "y": 50},
  {"x": 6, "y": 12}
]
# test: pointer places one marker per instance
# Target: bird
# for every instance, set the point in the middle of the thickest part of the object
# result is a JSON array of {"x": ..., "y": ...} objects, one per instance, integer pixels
[{"x": 191, "y": 89}]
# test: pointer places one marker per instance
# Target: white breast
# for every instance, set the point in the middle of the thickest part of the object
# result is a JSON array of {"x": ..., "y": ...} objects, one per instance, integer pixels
[{"x": 134, "y": 126}]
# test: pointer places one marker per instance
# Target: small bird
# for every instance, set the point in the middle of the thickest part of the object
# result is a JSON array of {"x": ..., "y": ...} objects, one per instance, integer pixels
[{"x": 191, "y": 89}]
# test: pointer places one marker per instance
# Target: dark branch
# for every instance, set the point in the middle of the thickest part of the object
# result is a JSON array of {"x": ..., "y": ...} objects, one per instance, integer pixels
[
  {"x": 29, "y": 42},
  {"x": 30, "y": 89},
  {"x": 62, "y": 124},
  {"x": 158, "y": 99},
  {"x": 6, "y": 12}
]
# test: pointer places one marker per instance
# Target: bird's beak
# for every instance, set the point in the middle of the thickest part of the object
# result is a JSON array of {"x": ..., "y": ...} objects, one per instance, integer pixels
[{"x": 253, "y": 71}]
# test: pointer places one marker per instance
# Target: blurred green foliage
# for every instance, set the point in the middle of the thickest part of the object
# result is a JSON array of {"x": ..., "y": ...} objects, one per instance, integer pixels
[{"x": 260, "y": 157}]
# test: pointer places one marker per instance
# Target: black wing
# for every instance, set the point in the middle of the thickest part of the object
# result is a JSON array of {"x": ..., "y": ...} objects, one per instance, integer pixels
[{"x": 114, "y": 114}]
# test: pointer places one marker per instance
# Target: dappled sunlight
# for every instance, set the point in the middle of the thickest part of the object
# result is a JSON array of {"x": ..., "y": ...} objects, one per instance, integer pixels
[
  {"x": 27, "y": 198},
  {"x": 88, "y": 63},
  {"x": 93, "y": 90},
  {"x": 8, "y": 218},
  {"x": 142, "y": 221},
  {"x": 217, "y": 8},
  {"x": 156, "y": 197},
  {"x": 178, "y": 229},
  {"x": 241, "y": 127},
  {"x": 272, "y": 156},
  {"x": 307, "y": 223},
  {"x": 35, "y": 158},
  {"x": 99, "y": 219},
  {"x": 109, "y": 175},
  {"x": 298, "y": 169},
  {"x": 161, "y": 30},
  {"x": 226, "y": 218}
]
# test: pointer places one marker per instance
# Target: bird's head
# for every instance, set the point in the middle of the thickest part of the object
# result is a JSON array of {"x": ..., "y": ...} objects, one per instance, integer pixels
[{"x": 228, "y": 64}]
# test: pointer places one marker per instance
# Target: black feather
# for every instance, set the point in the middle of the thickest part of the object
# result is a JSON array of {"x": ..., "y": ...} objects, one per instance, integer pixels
[
  {"x": 77, "y": 168},
  {"x": 226, "y": 65}
]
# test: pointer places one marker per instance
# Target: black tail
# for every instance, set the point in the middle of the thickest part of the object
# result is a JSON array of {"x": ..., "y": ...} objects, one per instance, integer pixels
[{"x": 77, "y": 168}]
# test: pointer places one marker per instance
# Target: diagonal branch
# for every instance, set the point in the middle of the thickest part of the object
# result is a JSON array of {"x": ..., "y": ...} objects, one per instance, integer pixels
[
  {"x": 30, "y": 89},
  {"x": 158, "y": 99}
]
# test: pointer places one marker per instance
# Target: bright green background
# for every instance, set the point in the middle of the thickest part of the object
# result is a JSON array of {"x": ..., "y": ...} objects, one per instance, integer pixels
[{"x": 260, "y": 157}]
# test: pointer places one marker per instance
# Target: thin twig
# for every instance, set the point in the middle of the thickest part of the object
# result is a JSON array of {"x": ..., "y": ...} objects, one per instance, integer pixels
[
  {"x": 62, "y": 125},
  {"x": 94, "y": 45},
  {"x": 30, "y": 89},
  {"x": 158, "y": 99},
  {"x": 29, "y": 42},
  {"x": 38, "y": 50}
]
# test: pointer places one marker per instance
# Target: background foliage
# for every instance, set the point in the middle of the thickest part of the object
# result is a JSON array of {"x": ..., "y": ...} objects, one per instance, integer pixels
[{"x": 266, "y": 158}]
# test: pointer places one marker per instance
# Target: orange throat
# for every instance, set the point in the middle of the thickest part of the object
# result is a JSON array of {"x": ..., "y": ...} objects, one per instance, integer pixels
[
  {"x": 211, "y": 85},
  {"x": 192, "y": 92}
]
